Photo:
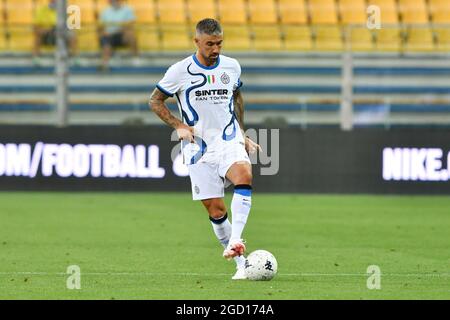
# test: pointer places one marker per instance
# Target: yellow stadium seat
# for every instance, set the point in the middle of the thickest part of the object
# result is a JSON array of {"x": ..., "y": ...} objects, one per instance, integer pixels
[
  {"x": 440, "y": 11},
  {"x": 20, "y": 38},
  {"x": 232, "y": 11},
  {"x": 262, "y": 11},
  {"x": 443, "y": 38},
  {"x": 413, "y": 11},
  {"x": 292, "y": 11},
  {"x": 101, "y": 5},
  {"x": 236, "y": 37},
  {"x": 323, "y": 12},
  {"x": 419, "y": 39},
  {"x": 388, "y": 10},
  {"x": 19, "y": 12},
  {"x": 87, "y": 39},
  {"x": 266, "y": 38},
  {"x": 147, "y": 38},
  {"x": 3, "y": 44},
  {"x": 353, "y": 11},
  {"x": 388, "y": 39},
  {"x": 328, "y": 38},
  {"x": 360, "y": 39},
  {"x": 201, "y": 9},
  {"x": 297, "y": 38},
  {"x": 172, "y": 11},
  {"x": 87, "y": 10},
  {"x": 176, "y": 37},
  {"x": 144, "y": 11}
]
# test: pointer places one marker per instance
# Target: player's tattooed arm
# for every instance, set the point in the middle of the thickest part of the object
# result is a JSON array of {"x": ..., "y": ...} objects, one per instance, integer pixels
[
  {"x": 239, "y": 108},
  {"x": 250, "y": 145},
  {"x": 158, "y": 106}
]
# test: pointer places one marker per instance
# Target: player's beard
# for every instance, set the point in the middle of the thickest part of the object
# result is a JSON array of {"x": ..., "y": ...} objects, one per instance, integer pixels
[{"x": 213, "y": 59}]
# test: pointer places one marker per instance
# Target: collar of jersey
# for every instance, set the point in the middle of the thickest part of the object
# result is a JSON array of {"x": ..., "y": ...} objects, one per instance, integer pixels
[{"x": 205, "y": 67}]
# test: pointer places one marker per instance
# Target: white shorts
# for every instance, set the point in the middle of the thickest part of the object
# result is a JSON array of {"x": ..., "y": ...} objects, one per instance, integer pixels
[{"x": 208, "y": 174}]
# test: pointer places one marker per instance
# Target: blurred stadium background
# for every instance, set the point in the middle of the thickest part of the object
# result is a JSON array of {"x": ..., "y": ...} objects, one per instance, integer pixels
[
  {"x": 359, "y": 110},
  {"x": 290, "y": 51}
]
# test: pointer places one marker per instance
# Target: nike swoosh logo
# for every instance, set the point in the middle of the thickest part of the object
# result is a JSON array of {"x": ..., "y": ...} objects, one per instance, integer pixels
[{"x": 192, "y": 82}]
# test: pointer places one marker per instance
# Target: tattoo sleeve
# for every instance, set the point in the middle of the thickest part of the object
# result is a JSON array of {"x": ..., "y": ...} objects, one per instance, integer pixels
[
  {"x": 157, "y": 105},
  {"x": 239, "y": 108}
]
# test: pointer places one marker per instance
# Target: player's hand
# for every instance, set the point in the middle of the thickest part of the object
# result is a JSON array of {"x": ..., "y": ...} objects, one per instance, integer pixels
[
  {"x": 251, "y": 146},
  {"x": 185, "y": 132}
]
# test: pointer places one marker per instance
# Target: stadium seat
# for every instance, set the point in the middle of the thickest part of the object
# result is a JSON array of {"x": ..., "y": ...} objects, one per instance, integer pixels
[
  {"x": 413, "y": 11},
  {"x": 147, "y": 37},
  {"x": 3, "y": 44},
  {"x": 20, "y": 38},
  {"x": 236, "y": 37},
  {"x": 361, "y": 39},
  {"x": 388, "y": 39},
  {"x": 440, "y": 11},
  {"x": 353, "y": 11},
  {"x": 172, "y": 11},
  {"x": 232, "y": 11},
  {"x": 201, "y": 9},
  {"x": 323, "y": 12},
  {"x": 19, "y": 12},
  {"x": 87, "y": 39},
  {"x": 419, "y": 39},
  {"x": 101, "y": 5},
  {"x": 262, "y": 11},
  {"x": 144, "y": 11},
  {"x": 87, "y": 8},
  {"x": 328, "y": 38},
  {"x": 443, "y": 38},
  {"x": 175, "y": 37},
  {"x": 389, "y": 13},
  {"x": 266, "y": 38},
  {"x": 297, "y": 38},
  {"x": 292, "y": 11},
  {"x": 2, "y": 13}
]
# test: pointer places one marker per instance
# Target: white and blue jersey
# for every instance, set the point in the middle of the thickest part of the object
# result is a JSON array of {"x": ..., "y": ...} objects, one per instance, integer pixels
[{"x": 205, "y": 100}]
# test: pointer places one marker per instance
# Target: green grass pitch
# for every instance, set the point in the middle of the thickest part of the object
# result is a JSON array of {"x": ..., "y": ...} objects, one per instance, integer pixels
[{"x": 161, "y": 246}]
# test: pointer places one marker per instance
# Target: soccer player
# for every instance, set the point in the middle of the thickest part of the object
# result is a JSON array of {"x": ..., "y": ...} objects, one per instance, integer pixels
[{"x": 207, "y": 88}]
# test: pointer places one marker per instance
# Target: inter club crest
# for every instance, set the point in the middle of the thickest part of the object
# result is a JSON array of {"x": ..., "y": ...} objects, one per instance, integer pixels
[{"x": 225, "y": 78}]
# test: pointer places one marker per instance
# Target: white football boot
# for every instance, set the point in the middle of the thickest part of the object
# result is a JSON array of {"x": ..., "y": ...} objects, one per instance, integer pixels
[
  {"x": 234, "y": 248},
  {"x": 240, "y": 274}
]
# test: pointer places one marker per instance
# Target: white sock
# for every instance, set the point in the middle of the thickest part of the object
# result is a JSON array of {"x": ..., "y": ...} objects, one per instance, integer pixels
[
  {"x": 222, "y": 229},
  {"x": 240, "y": 209}
]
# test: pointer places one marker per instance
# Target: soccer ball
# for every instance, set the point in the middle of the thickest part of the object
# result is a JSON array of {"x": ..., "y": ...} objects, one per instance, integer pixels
[{"x": 260, "y": 265}]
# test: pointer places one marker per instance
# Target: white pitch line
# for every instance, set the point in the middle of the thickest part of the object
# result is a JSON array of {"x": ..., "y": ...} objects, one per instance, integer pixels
[{"x": 224, "y": 274}]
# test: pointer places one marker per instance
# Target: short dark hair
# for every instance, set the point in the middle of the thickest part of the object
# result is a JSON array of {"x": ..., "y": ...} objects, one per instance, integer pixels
[{"x": 209, "y": 26}]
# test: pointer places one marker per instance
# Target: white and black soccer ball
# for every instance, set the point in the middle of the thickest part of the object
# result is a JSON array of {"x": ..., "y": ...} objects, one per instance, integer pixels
[{"x": 261, "y": 265}]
